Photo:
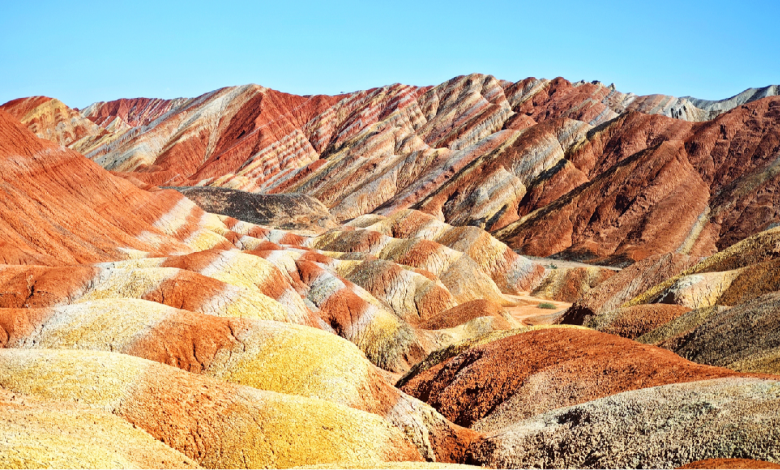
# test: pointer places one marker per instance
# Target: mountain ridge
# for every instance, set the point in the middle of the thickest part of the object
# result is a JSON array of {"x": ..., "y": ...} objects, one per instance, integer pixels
[{"x": 474, "y": 150}]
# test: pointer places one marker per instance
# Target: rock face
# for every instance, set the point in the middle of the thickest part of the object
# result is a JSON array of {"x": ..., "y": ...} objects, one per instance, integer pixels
[
  {"x": 463, "y": 313},
  {"x": 177, "y": 407},
  {"x": 710, "y": 419},
  {"x": 286, "y": 211},
  {"x": 625, "y": 285},
  {"x": 571, "y": 284},
  {"x": 38, "y": 433},
  {"x": 579, "y": 170},
  {"x": 752, "y": 330},
  {"x": 337, "y": 280},
  {"x": 633, "y": 322},
  {"x": 494, "y": 385},
  {"x": 751, "y": 94}
]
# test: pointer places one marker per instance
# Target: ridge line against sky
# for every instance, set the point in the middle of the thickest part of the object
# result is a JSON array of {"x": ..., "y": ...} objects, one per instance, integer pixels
[{"x": 99, "y": 51}]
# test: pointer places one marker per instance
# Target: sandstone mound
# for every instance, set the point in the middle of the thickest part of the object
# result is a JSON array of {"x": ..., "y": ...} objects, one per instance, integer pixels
[
  {"x": 231, "y": 286},
  {"x": 494, "y": 385},
  {"x": 80, "y": 213},
  {"x": 633, "y": 322},
  {"x": 286, "y": 211},
  {"x": 463, "y": 313},
  {"x": 571, "y": 284},
  {"x": 625, "y": 285},
  {"x": 169, "y": 286},
  {"x": 352, "y": 313},
  {"x": 51, "y": 119},
  {"x": 673, "y": 333},
  {"x": 215, "y": 423},
  {"x": 266, "y": 355},
  {"x": 743, "y": 338},
  {"x": 36, "y": 433},
  {"x": 451, "y": 350},
  {"x": 673, "y": 192},
  {"x": 462, "y": 276},
  {"x": 752, "y": 259},
  {"x": 413, "y": 295},
  {"x": 511, "y": 272},
  {"x": 710, "y": 419}
]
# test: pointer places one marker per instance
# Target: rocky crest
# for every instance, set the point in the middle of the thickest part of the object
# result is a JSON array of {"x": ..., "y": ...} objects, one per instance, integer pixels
[
  {"x": 339, "y": 281},
  {"x": 577, "y": 170}
]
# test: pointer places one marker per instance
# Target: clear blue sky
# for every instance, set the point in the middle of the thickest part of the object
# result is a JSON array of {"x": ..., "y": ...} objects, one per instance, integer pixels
[{"x": 81, "y": 52}]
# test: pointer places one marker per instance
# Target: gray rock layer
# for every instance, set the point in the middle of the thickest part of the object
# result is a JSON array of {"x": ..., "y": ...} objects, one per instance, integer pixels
[{"x": 659, "y": 427}]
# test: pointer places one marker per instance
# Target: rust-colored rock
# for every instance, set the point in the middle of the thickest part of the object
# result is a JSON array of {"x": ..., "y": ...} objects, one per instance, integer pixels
[
  {"x": 571, "y": 283},
  {"x": 633, "y": 322},
  {"x": 505, "y": 381},
  {"x": 463, "y": 313},
  {"x": 625, "y": 285}
]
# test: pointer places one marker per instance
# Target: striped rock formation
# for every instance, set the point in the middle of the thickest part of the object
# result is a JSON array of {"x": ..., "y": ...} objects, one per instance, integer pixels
[
  {"x": 709, "y": 184},
  {"x": 625, "y": 285},
  {"x": 233, "y": 285},
  {"x": 290, "y": 212},
  {"x": 636, "y": 321},
  {"x": 719, "y": 311},
  {"x": 511, "y": 273},
  {"x": 494, "y": 385},
  {"x": 462, "y": 276},
  {"x": 549, "y": 166},
  {"x": 266, "y": 355},
  {"x": 375, "y": 234},
  {"x": 464, "y": 313},
  {"x": 708, "y": 419},
  {"x": 454, "y": 349},
  {"x": 38, "y": 433},
  {"x": 570, "y": 284},
  {"x": 216, "y": 423},
  {"x": 751, "y": 330},
  {"x": 173, "y": 237}
]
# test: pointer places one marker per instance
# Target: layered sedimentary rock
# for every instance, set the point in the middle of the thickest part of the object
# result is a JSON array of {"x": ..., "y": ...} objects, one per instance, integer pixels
[
  {"x": 732, "y": 297},
  {"x": 665, "y": 187},
  {"x": 213, "y": 422},
  {"x": 38, "y": 433},
  {"x": 633, "y": 322},
  {"x": 751, "y": 261},
  {"x": 464, "y": 313},
  {"x": 52, "y": 120},
  {"x": 750, "y": 328},
  {"x": 731, "y": 167},
  {"x": 349, "y": 239},
  {"x": 511, "y": 273},
  {"x": 524, "y": 159},
  {"x": 751, "y": 94},
  {"x": 571, "y": 284},
  {"x": 550, "y": 368},
  {"x": 709, "y": 419},
  {"x": 625, "y": 285},
  {"x": 266, "y": 355},
  {"x": 456, "y": 348},
  {"x": 296, "y": 211},
  {"x": 72, "y": 212}
]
